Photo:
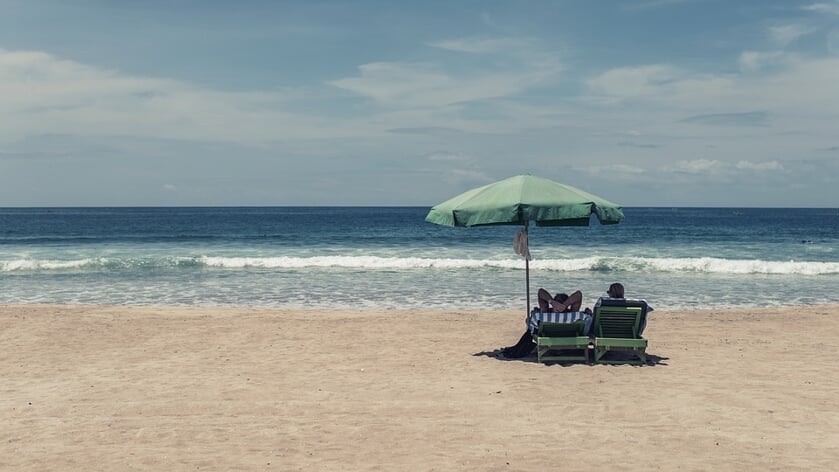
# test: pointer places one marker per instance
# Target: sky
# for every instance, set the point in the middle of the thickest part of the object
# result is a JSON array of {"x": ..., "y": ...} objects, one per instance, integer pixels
[{"x": 210, "y": 102}]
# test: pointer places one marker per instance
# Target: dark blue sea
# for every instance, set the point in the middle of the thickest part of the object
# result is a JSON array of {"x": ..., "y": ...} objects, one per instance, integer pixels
[{"x": 391, "y": 258}]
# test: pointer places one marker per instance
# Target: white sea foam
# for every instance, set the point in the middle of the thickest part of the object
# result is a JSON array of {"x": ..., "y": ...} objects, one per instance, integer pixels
[
  {"x": 708, "y": 265},
  {"x": 44, "y": 265},
  {"x": 628, "y": 264},
  {"x": 355, "y": 262}
]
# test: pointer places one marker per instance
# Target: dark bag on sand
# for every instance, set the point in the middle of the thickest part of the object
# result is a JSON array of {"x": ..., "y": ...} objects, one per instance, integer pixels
[{"x": 523, "y": 348}]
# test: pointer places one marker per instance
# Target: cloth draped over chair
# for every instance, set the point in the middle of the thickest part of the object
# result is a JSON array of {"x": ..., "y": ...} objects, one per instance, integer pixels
[{"x": 551, "y": 317}]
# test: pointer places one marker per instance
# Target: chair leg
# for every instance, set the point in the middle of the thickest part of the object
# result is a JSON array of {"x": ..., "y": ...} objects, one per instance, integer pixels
[{"x": 640, "y": 353}]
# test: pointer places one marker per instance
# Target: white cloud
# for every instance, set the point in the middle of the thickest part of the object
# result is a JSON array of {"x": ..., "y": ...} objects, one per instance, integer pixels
[
  {"x": 750, "y": 118},
  {"x": 47, "y": 95},
  {"x": 701, "y": 172},
  {"x": 467, "y": 175},
  {"x": 795, "y": 101},
  {"x": 824, "y": 7},
  {"x": 482, "y": 45},
  {"x": 446, "y": 157},
  {"x": 753, "y": 61},
  {"x": 426, "y": 85},
  {"x": 686, "y": 171},
  {"x": 634, "y": 81},
  {"x": 786, "y": 34},
  {"x": 799, "y": 93},
  {"x": 486, "y": 19},
  {"x": 715, "y": 167},
  {"x": 654, "y": 4},
  {"x": 759, "y": 166},
  {"x": 614, "y": 169},
  {"x": 406, "y": 84},
  {"x": 700, "y": 166}
]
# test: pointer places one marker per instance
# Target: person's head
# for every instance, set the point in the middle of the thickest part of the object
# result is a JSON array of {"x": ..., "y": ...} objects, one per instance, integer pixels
[
  {"x": 562, "y": 298},
  {"x": 615, "y": 290}
]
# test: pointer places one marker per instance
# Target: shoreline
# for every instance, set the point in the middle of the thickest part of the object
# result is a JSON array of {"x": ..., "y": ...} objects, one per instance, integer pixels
[
  {"x": 398, "y": 310},
  {"x": 179, "y": 388}
]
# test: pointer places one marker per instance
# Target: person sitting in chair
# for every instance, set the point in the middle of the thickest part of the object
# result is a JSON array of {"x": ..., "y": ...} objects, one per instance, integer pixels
[
  {"x": 560, "y": 303},
  {"x": 616, "y": 293}
]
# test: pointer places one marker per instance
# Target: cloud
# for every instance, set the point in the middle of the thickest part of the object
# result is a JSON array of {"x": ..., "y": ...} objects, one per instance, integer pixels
[
  {"x": 752, "y": 61},
  {"x": 515, "y": 67},
  {"x": 719, "y": 168},
  {"x": 786, "y": 34},
  {"x": 800, "y": 95},
  {"x": 487, "y": 19},
  {"x": 455, "y": 168},
  {"x": 613, "y": 169},
  {"x": 752, "y": 118},
  {"x": 639, "y": 145},
  {"x": 446, "y": 157},
  {"x": 700, "y": 166},
  {"x": 832, "y": 8},
  {"x": 654, "y": 4},
  {"x": 634, "y": 81},
  {"x": 703, "y": 174},
  {"x": 482, "y": 45},
  {"x": 421, "y": 85},
  {"x": 467, "y": 175},
  {"x": 759, "y": 166},
  {"x": 48, "y": 95},
  {"x": 27, "y": 155},
  {"x": 425, "y": 130}
]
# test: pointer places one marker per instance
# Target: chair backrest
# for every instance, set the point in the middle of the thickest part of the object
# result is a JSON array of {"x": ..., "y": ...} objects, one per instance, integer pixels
[
  {"x": 561, "y": 330},
  {"x": 618, "y": 319}
]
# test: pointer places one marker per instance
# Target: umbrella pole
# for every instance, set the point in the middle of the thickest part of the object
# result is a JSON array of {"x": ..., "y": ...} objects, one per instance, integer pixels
[{"x": 527, "y": 271}]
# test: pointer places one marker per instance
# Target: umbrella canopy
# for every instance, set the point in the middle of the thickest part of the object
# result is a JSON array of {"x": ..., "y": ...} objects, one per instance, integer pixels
[{"x": 521, "y": 199}]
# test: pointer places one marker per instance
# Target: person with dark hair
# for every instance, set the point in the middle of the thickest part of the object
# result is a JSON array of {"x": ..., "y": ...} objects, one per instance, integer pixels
[
  {"x": 562, "y": 303},
  {"x": 616, "y": 293},
  {"x": 559, "y": 303}
]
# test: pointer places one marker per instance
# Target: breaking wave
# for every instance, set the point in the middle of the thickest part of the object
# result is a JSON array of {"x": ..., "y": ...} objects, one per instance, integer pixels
[{"x": 708, "y": 265}]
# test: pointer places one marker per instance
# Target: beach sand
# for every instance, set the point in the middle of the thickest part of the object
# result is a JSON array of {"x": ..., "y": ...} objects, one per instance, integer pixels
[{"x": 165, "y": 389}]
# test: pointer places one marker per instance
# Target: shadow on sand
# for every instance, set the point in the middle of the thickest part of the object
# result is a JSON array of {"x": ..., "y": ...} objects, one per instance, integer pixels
[{"x": 652, "y": 359}]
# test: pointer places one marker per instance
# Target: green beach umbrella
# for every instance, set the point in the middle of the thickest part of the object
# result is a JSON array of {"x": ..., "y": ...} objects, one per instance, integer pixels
[{"x": 518, "y": 201}]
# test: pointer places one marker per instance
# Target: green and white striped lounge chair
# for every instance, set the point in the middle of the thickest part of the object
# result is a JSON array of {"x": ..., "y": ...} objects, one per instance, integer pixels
[{"x": 561, "y": 337}]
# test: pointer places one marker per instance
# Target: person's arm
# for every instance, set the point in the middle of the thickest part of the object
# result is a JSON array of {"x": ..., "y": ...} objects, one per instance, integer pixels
[
  {"x": 572, "y": 303},
  {"x": 544, "y": 298},
  {"x": 575, "y": 301}
]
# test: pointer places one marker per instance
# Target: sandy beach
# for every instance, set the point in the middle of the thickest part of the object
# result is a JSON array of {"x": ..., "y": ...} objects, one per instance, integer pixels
[{"x": 161, "y": 388}]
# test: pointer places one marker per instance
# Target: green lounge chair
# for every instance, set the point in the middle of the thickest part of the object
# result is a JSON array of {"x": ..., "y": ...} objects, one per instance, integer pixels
[
  {"x": 615, "y": 328},
  {"x": 562, "y": 337}
]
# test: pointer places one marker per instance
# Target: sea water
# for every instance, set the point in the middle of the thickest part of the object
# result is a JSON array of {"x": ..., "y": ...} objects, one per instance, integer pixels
[{"x": 356, "y": 258}]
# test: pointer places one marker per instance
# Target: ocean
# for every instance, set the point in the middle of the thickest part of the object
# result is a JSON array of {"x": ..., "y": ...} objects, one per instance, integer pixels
[{"x": 390, "y": 258}]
